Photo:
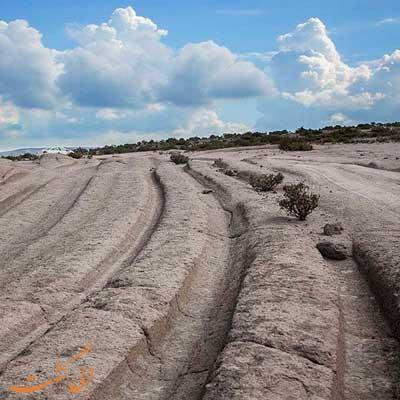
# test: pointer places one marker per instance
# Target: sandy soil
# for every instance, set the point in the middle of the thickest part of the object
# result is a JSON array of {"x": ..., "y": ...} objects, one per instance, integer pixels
[{"x": 184, "y": 293}]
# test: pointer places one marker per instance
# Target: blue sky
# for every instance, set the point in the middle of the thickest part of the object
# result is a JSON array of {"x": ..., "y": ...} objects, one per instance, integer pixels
[{"x": 223, "y": 66}]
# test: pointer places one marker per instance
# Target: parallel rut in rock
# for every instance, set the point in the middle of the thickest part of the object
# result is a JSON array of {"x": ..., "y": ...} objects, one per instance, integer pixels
[{"x": 178, "y": 366}]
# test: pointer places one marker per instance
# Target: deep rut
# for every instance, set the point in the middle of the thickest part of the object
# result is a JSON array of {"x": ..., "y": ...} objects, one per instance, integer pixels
[
  {"x": 366, "y": 356},
  {"x": 177, "y": 365},
  {"x": 97, "y": 279},
  {"x": 367, "y": 352},
  {"x": 18, "y": 198}
]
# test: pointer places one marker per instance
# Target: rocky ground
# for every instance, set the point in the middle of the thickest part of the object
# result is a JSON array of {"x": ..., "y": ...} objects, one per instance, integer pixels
[{"x": 185, "y": 283}]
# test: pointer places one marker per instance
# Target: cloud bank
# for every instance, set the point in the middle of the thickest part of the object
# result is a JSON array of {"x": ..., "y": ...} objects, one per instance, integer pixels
[{"x": 121, "y": 79}]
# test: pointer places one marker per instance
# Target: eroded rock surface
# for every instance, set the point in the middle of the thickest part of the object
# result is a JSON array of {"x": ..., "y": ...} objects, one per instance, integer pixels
[{"x": 183, "y": 295}]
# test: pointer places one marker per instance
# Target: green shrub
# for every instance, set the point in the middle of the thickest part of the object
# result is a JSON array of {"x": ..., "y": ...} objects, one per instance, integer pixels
[
  {"x": 75, "y": 155},
  {"x": 22, "y": 157},
  {"x": 294, "y": 145},
  {"x": 298, "y": 200},
  {"x": 265, "y": 183},
  {"x": 179, "y": 158}
]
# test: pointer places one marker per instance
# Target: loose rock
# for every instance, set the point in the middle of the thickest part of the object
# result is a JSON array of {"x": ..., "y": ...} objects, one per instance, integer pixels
[
  {"x": 332, "y": 251},
  {"x": 333, "y": 229}
]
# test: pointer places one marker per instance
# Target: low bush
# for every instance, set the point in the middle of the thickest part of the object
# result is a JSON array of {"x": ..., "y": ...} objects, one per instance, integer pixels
[
  {"x": 220, "y": 163},
  {"x": 179, "y": 158},
  {"x": 22, "y": 157},
  {"x": 298, "y": 200},
  {"x": 294, "y": 145},
  {"x": 76, "y": 155},
  {"x": 265, "y": 183},
  {"x": 230, "y": 172}
]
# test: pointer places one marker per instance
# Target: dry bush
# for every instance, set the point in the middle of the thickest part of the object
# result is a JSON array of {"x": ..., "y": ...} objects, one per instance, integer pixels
[
  {"x": 295, "y": 145},
  {"x": 220, "y": 163},
  {"x": 230, "y": 172},
  {"x": 265, "y": 183},
  {"x": 179, "y": 158},
  {"x": 298, "y": 200}
]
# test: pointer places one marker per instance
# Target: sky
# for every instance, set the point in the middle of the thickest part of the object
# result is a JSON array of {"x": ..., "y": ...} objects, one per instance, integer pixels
[{"x": 109, "y": 72}]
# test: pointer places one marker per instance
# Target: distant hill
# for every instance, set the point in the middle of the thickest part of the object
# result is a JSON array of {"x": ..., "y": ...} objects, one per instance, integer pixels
[
  {"x": 31, "y": 150},
  {"x": 17, "y": 152}
]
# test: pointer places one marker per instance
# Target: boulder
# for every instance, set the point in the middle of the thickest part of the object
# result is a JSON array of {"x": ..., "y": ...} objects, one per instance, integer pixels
[
  {"x": 333, "y": 251},
  {"x": 333, "y": 229}
]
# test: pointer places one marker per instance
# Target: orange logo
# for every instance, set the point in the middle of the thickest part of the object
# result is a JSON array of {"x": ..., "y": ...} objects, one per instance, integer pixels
[{"x": 61, "y": 374}]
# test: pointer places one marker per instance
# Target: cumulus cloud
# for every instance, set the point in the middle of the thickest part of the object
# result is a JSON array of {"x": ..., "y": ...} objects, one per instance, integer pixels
[
  {"x": 206, "y": 71},
  {"x": 28, "y": 70},
  {"x": 386, "y": 77},
  {"x": 121, "y": 75},
  {"x": 204, "y": 122},
  {"x": 316, "y": 86},
  {"x": 339, "y": 118},
  {"x": 309, "y": 69},
  {"x": 123, "y": 63}
]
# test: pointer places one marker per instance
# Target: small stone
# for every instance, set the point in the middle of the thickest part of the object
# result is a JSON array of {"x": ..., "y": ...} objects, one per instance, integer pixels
[
  {"x": 332, "y": 251},
  {"x": 333, "y": 229},
  {"x": 207, "y": 191}
]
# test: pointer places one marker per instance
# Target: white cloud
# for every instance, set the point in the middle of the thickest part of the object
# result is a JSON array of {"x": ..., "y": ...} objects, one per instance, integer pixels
[
  {"x": 314, "y": 82},
  {"x": 339, "y": 118},
  {"x": 122, "y": 75},
  {"x": 109, "y": 114},
  {"x": 28, "y": 70},
  {"x": 204, "y": 122},
  {"x": 121, "y": 63},
  {"x": 205, "y": 71},
  {"x": 309, "y": 69},
  {"x": 309, "y": 36},
  {"x": 389, "y": 21}
]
